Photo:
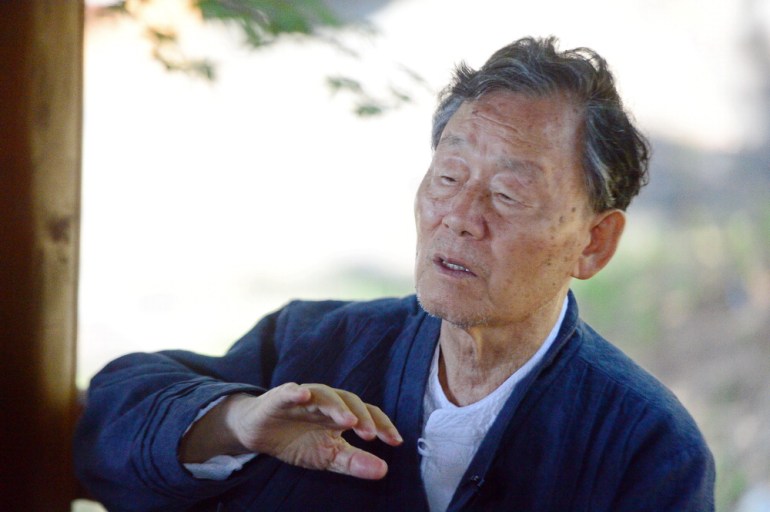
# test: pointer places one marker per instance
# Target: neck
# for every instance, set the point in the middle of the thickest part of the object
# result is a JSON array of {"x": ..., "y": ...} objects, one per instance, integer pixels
[{"x": 476, "y": 360}]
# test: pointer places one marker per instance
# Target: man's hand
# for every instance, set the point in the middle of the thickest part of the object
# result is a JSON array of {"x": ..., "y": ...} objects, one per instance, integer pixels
[{"x": 299, "y": 424}]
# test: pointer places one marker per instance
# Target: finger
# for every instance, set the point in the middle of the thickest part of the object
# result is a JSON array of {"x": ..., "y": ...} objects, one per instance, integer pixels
[
  {"x": 365, "y": 427},
  {"x": 328, "y": 402},
  {"x": 358, "y": 463},
  {"x": 386, "y": 430},
  {"x": 289, "y": 395}
]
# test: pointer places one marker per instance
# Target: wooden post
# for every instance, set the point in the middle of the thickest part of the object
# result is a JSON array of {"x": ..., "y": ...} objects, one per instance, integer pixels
[{"x": 41, "y": 57}]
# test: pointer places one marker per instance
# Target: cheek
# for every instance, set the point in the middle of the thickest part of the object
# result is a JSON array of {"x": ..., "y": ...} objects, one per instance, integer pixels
[
  {"x": 428, "y": 211},
  {"x": 425, "y": 217},
  {"x": 551, "y": 253},
  {"x": 563, "y": 253}
]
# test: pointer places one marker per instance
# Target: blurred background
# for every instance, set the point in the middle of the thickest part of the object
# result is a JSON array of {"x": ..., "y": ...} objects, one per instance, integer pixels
[{"x": 227, "y": 171}]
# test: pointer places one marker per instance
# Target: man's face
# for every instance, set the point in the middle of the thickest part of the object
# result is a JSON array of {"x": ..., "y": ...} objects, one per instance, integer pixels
[{"x": 502, "y": 214}]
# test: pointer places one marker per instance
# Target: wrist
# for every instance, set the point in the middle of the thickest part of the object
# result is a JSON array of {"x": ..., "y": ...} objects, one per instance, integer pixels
[{"x": 214, "y": 433}]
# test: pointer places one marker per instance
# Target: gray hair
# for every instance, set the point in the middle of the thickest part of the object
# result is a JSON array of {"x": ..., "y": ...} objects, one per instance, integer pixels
[{"x": 615, "y": 154}]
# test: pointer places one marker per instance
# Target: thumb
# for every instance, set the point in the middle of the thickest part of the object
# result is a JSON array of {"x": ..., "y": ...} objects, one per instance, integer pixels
[{"x": 358, "y": 463}]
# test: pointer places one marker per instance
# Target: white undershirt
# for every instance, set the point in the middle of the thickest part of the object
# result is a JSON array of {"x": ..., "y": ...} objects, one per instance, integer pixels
[{"x": 451, "y": 434}]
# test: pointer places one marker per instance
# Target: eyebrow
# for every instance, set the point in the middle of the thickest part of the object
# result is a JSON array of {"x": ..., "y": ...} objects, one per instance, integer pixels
[
  {"x": 528, "y": 169},
  {"x": 452, "y": 140}
]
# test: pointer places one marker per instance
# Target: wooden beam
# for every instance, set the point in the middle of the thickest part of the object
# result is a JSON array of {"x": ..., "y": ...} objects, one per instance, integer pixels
[{"x": 41, "y": 55}]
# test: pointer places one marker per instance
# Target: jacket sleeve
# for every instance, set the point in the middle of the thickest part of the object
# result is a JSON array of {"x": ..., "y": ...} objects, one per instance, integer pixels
[
  {"x": 668, "y": 473},
  {"x": 139, "y": 407}
]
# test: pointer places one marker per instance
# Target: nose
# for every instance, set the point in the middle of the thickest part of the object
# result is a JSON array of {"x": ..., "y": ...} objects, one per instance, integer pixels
[{"x": 466, "y": 215}]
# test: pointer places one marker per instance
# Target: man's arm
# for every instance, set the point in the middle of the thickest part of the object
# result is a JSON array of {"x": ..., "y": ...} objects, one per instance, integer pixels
[
  {"x": 138, "y": 409},
  {"x": 141, "y": 406},
  {"x": 133, "y": 438}
]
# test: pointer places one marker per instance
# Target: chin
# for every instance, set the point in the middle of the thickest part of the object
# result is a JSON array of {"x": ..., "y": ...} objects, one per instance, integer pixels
[{"x": 455, "y": 312}]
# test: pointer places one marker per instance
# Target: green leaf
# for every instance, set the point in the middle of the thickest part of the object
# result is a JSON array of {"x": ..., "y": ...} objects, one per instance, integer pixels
[
  {"x": 368, "y": 109},
  {"x": 260, "y": 18},
  {"x": 338, "y": 83}
]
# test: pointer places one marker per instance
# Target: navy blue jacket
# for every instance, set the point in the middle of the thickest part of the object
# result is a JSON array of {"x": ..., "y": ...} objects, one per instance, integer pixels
[{"x": 587, "y": 430}]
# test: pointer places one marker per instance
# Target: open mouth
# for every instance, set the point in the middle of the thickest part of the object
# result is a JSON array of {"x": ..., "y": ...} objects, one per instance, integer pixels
[{"x": 453, "y": 266}]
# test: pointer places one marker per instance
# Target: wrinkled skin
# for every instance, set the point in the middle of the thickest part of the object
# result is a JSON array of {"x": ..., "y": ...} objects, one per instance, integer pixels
[{"x": 298, "y": 424}]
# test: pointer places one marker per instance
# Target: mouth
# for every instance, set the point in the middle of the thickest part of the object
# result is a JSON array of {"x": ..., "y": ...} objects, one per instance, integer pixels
[{"x": 452, "y": 267}]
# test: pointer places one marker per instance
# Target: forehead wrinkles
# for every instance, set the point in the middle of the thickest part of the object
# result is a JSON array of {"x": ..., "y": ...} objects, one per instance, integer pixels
[
  {"x": 472, "y": 118},
  {"x": 521, "y": 127},
  {"x": 539, "y": 123}
]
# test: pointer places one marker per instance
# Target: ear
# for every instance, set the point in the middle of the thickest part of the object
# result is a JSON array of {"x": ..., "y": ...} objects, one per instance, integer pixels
[{"x": 605, "y": 231}]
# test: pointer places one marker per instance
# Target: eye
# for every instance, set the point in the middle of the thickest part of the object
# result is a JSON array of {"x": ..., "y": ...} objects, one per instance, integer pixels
[
  {"x": 505, "y": 198},
  {"x": 447, "y": 177}
]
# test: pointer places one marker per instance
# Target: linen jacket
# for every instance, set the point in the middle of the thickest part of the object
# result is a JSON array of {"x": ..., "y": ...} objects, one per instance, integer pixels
[{"x": 586, "y": 430}]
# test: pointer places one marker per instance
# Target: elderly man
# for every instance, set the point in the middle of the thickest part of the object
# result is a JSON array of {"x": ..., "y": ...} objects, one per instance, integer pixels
[{"x": 484, "y": 392}]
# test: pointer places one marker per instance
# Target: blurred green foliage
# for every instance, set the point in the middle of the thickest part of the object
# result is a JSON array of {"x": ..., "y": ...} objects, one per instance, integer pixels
[{"x": 262, "y": 23}]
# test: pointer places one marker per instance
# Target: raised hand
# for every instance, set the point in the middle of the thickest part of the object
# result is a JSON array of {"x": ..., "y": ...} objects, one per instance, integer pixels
[{"x": 299, "y": 424}]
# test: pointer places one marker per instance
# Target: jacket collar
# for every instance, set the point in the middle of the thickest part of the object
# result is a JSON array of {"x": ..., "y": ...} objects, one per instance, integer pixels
[{"x": 421, "y": 338}]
